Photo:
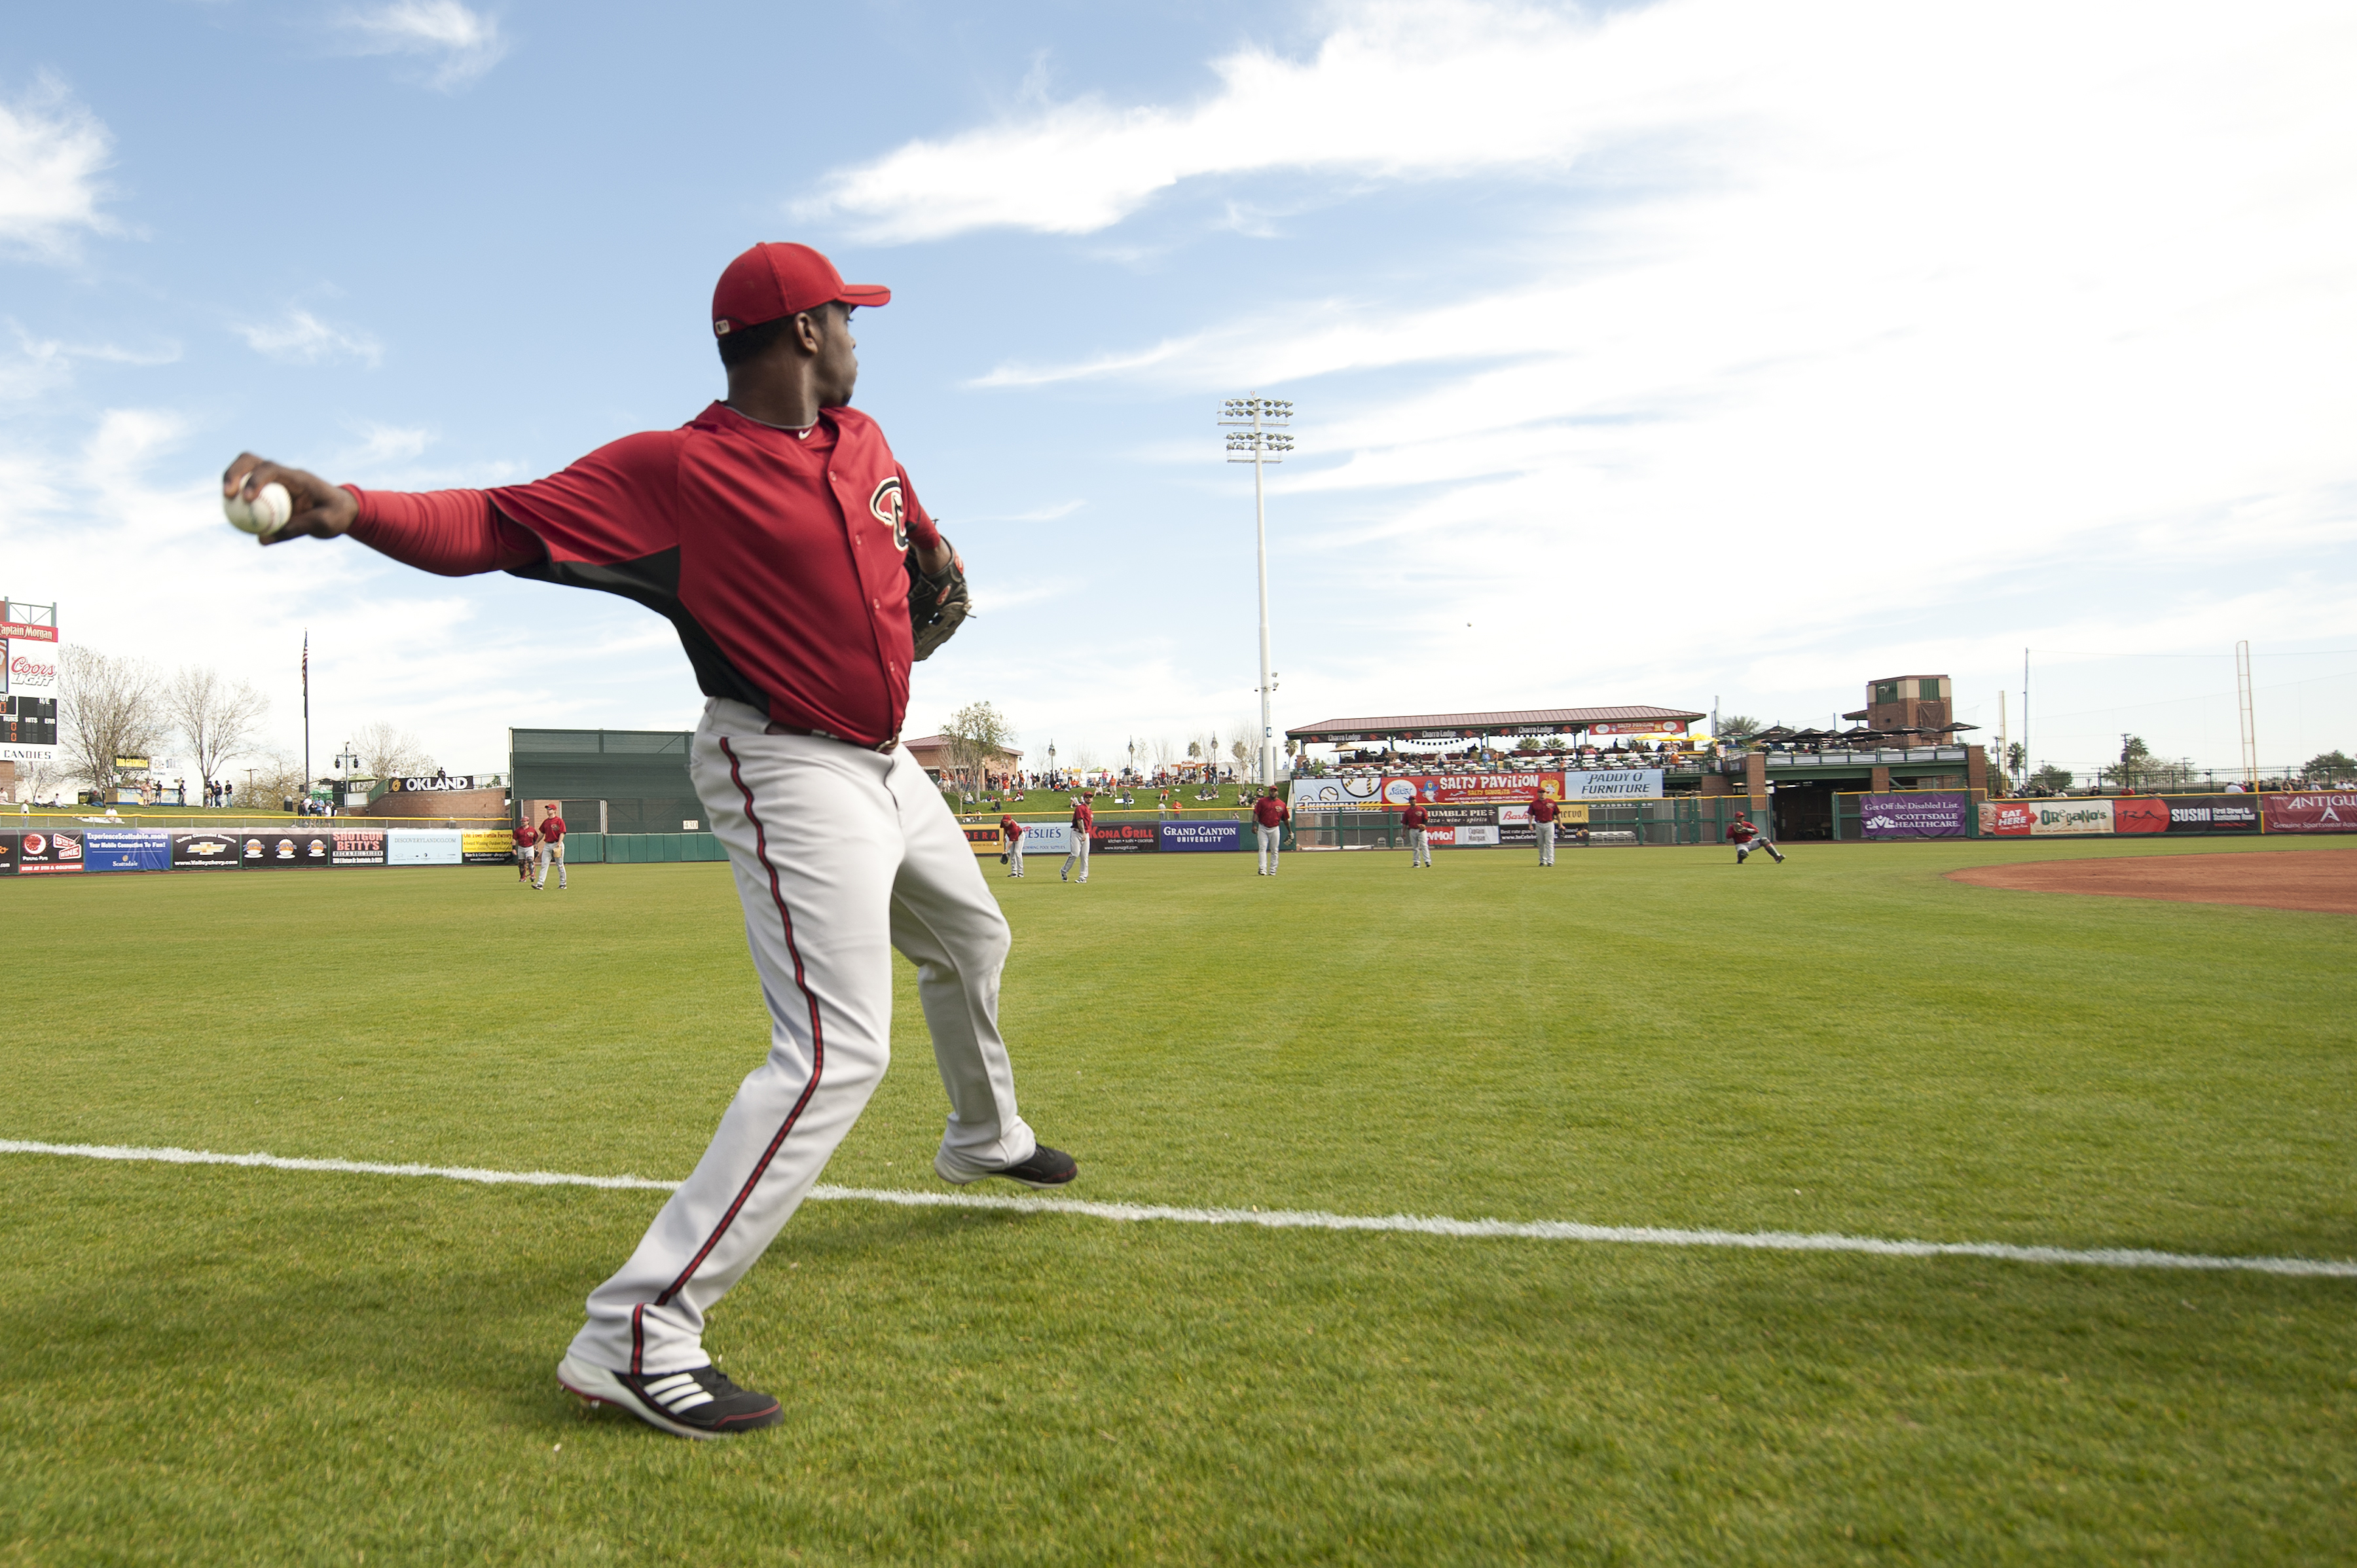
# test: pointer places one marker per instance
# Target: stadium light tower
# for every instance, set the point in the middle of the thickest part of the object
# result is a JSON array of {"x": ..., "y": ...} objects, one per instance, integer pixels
[{"x": 1257, "y": 434}]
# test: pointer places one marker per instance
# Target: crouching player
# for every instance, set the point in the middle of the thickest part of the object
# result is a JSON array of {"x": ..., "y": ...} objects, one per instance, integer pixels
[
  {"x": 1010, "y": 833},
  {"x": 1747, "y": 838}
]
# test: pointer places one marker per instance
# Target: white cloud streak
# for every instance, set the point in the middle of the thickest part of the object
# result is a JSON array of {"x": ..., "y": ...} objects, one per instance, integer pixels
[
  {"x": 52, "y": 151},
  {"x": 299, "y": 337},
  {"x": 459, "y": 43}
]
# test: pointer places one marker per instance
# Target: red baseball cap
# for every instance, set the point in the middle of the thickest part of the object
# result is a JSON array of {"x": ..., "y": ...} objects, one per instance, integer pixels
[{"x": 776, "y": 279}]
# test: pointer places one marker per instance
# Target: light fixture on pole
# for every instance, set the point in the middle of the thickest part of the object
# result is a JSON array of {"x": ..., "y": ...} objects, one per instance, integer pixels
[{"x": 1257, "y": 434}]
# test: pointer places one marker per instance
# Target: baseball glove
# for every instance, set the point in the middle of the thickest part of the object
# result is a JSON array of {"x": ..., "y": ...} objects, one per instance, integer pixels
[{"x": 937, "y": 605}]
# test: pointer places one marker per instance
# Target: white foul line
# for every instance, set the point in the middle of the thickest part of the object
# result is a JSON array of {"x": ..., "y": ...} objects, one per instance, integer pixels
[{"x": 1280, "y": 1218}]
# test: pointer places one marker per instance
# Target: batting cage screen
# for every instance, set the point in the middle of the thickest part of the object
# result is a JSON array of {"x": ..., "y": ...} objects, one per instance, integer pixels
[{"x": 608, "y": 780}]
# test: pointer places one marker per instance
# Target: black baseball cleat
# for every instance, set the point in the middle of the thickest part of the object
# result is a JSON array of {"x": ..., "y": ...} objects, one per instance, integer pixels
[
  {"x": 699, "y": 1403},
  {"x": 1046, "y": 1167}
]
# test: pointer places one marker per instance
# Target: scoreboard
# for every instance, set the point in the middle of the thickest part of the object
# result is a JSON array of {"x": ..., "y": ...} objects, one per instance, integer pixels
[{"x": 28, "y": 721}]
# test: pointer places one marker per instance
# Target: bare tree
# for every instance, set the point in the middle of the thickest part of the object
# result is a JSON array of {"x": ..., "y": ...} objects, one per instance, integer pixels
[
  {"x": 388, "y": 751},
  {"x": 274, "y": 777},
  {"x": 979, "y": 736},
  {"x": 108, "y": 707},
  {"x": 219, "y": 719},
  {"x": 38, "y": 776}
]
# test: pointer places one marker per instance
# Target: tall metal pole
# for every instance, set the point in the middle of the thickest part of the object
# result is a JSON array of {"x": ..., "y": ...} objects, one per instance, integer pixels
[
  {"x": 1260, "y": 538},
  {"x": 2249, "y": 721}
]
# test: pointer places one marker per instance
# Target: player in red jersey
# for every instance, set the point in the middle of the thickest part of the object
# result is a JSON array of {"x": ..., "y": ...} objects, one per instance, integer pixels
[
  {"x": 1010, "y": 833},
  {"x": 1747, "y": 838},
  {"x": 1084, "y": 822},
  {"x": 1270, "y": 815},
  {"x": 1418, "y": 824},
  {"x": 1544, "y": 812},
  {"x": 552, "y": 847},
  {"x": 776, "y": 531},
  {"x": 526, "y": 837}
]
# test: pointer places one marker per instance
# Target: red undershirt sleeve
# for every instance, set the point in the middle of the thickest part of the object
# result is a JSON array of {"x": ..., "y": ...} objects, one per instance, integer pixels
[{"x": 452, "y": 534}]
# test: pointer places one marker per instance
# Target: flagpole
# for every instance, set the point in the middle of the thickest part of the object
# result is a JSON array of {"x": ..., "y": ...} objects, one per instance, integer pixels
[{"x": 306, "y": 716}]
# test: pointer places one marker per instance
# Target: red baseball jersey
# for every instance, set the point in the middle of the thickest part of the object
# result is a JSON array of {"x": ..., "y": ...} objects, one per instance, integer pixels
[
  {"x": 1543, "y": 809},
  {"x": 1011, "y": 828},
  {"x": 778, "y": 556},
  {"x": 1416, "y": 816},
  {"x": 1268, "y": 811},
  {"x": 551, "y": 829},
  {"x": 1740, "y": 833},
  {"x": 525, "y": 838},
  {"x": 1084, "y": 817}
]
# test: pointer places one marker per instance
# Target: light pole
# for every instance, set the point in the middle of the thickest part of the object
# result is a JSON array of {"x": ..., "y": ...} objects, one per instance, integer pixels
[{"x": 1257, "y": 434}]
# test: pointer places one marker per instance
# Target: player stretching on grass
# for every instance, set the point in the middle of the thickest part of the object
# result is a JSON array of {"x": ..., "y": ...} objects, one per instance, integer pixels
[
  {"x": 552, "y": 847},
  {"x": 1010, "y": 833},
  {"x": 1418, "y": 824},
  {"x": 1084, "y": 820},
  {"x": 526, "y": 838},
  {"x": 1544, "y": 812},
  {"x": 778, "y": 534},
  {"x": 1747, "y": 838}
]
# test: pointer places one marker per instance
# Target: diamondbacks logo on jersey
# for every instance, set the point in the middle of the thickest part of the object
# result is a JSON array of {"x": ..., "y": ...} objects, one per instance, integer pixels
[{"x": 888, "y": 507}]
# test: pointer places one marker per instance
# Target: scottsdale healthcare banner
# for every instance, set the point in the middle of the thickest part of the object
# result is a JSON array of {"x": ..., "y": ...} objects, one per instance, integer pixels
[
  {"x": 1914, "y": 816},
  {"x": 2326, "y": 812}
]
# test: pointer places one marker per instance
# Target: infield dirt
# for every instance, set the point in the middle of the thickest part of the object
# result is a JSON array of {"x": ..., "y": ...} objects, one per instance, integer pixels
[{"x": 2316, "y": 880}]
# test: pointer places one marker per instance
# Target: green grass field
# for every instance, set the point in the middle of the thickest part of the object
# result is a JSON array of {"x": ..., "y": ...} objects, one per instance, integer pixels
[{"x": 210, "y": 1364}]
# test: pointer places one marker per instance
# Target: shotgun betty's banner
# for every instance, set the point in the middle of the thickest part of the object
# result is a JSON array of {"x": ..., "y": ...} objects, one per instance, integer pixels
[
  {"x": 1913, "y": 815},
  {"x": 2325, "y": 811}
]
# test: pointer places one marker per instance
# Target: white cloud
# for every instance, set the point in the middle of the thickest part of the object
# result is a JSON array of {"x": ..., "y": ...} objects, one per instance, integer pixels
[
  {"x": 300, "y": 337},
  {"x": 52, "y": 151},
  {"x": 1915, "y": 315},
  {"x": 460, "y": 43}
]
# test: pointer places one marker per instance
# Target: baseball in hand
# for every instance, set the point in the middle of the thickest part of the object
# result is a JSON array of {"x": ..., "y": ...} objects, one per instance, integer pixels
[{"x": 265, "y": 514}]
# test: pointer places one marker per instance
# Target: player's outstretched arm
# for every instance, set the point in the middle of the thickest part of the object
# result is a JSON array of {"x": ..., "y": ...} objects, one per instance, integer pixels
[{"x": 322, "y": 511}]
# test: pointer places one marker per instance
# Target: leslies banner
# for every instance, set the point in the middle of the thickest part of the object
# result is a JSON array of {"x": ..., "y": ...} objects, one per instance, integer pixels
[
  {"x": 1914, "y": 815},
  {"x": 2323, "y": 811}
]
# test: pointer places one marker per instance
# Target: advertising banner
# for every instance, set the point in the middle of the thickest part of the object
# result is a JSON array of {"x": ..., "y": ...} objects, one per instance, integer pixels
[
  {"x": 2065, "y": 816},
  {"x": 2210, "y": 813},
  {"x": 1038, "y": 838},
  {"x": 2321, "y": 811},
  {"x": 486, "y": 846},
  {"x": 1612, "y": 784},
  {"x": 205, "y": 851},
  {"x": 137, "y": 849},
  {"x": 1643, "y": 726},
  {"x": 275, "y": 848},
  {"x": 42, "y": 853},
  {"x": 358, "y": 848},
  {"x": 8, "y": 847},
  {"x": 443, "y": 783},
  {"x": 1195, "y": 838},
  {"x": 1914, "y": 816},
  {"x": 1116, "y": 837},
  {"x": 981, "y": 839},
  {"x": 424, "y": 846}
]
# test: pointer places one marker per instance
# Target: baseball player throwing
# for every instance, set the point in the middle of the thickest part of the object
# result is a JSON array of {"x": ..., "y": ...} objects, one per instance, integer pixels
[
  {"x": 1269, "y": 817},
  {"x": 1084, "y": 820},
  {"x": 552, "y": 847},
  {"x": 1544, "y": 812},
  {"x": 1747, "y": 838},
  {"x": 1010, "y": 833},
  {"x": 778, "y": 532},
  {"x": 1418, "y": 824}
]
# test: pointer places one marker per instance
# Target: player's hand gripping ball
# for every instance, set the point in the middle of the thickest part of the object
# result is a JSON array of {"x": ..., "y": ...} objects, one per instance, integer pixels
[{"x": 267, "y": 512}]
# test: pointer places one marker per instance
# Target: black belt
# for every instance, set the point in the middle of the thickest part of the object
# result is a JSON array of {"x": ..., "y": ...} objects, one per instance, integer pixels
[{"x": 887, "y": 748}]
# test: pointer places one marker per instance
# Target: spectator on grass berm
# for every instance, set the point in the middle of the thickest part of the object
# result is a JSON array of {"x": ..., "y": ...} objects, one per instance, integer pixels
[
  {"x": 1418, "y": 823},
  {"x": 552, "y": 847},
  {"x": 1270, "y": 815}
]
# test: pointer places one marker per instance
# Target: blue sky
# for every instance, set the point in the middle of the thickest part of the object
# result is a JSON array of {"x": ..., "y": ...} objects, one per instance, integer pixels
[{"x": 1644, "y": 353}]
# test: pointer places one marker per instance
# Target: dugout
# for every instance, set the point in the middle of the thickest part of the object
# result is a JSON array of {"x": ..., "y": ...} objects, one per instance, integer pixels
[{"x": 608, "y": 780}]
